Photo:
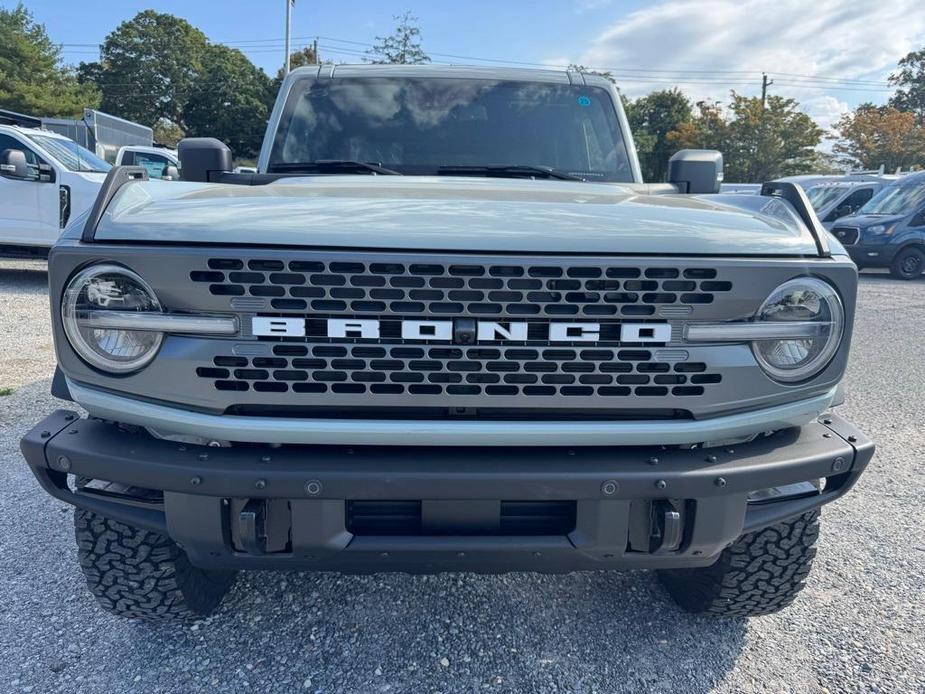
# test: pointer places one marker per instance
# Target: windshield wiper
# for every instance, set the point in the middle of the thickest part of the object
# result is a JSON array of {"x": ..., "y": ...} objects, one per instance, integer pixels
[
  {"x": 333, "y": 166},
  {"x": 506, "y": 171}
]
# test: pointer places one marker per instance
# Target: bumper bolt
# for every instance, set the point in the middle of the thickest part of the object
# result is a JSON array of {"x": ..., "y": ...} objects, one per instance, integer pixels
[
  {"x": 45, "y": 434},
  {"x": 661, "y": 484},
  {"x": 265, "y": 459},
  {"x": 852, "y": 439},
  {"x": 196, "y": 481},
  {"x": 260, "y": 484},
  {"x": 64, "y": 463},
  {"x": 720, "y": 481},
  {"x": 68, "y": 417},
  {"x": 712, "y": 458},
  {"x": 827, "y": 421},
  {"x": 203, "y": 456},
  {"x": 838, "y": 464},
  {"x": 652, "y": 461},
  {"x": 313, "y": 487},
  {"x": 609, "y": 488}
]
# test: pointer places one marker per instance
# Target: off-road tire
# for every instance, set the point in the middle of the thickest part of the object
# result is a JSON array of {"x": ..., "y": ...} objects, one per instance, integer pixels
[
  {"x": 758, "y": 574},
  {"x": 142, "y": 574},
  {"x": 909, "y": 264}
]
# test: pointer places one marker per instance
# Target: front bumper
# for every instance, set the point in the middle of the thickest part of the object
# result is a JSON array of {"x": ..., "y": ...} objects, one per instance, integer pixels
[
  {"x": 872, "y": 254},
  {"x": 288, "y": 507}
]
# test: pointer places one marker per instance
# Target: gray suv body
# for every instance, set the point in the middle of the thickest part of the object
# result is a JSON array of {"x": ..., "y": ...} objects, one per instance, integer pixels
[{"x": 447, "y": 327}]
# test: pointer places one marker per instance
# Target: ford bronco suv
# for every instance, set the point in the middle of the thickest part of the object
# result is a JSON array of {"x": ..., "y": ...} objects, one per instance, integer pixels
[{"x": 446, "y": 327}]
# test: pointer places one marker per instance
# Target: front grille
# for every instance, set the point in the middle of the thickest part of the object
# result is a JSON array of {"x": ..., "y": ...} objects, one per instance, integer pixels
[
  {"x": 846, "y": 235},
  {"x": 405, "y": 518},
  {"x": 457, "y": 289},
  {"x": 460, "y": 371}
]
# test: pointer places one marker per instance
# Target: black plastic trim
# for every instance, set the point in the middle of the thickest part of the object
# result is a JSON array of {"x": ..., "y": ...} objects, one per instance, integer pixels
[
  {"x": 317, "y": 481},
  {"x": 795, "y": 195},
  {"x": 117, "y": 177}
]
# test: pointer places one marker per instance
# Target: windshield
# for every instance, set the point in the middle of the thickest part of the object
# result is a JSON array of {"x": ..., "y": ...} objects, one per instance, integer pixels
[
  {"x": 417, "y": 126},
  {"x": 896, "y": 199},
  {"x": 71, "y": 155},
  {"x": 822, "y": 196}
]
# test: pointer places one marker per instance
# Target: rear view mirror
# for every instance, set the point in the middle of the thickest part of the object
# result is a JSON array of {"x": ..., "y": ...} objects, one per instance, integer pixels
[
  {"x": 202, "y": 156},
  {"x": 13, "y": 164},
  {"x": 696, "y": 170}
]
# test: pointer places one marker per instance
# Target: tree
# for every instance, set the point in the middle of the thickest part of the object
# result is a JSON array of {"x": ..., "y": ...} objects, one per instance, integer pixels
[
  {"x": 32, "y": 79},
  {"x": 758, "y": 142},
  {"x": 911, "y": 82},
  {"x": 402, "y": 46},
  {"x": 229, "y": 99},
  {"x": 875, "y": 136},
  {"x": 167, "y": 133},
  {"x": 147, "y": 67},
  {"x": 651, "y": 118},
  {"x": 306, "y": 56}
]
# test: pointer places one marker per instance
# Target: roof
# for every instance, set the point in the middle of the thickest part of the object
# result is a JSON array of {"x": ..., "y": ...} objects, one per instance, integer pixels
[{"x": 514, "y": 74}]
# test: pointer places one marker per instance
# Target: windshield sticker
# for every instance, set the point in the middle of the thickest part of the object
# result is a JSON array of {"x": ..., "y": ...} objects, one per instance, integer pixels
[{"x": 584, "y": 101}]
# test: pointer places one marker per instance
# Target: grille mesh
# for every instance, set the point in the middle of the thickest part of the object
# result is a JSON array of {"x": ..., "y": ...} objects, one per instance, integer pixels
[
  {"x": 847, "y": 235},
  {"x": 454, "y": 289},
  {"x": 459, "y": 371}
]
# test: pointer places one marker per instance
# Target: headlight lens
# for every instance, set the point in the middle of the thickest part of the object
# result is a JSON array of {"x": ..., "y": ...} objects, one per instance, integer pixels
[
  {"x": 805, "y": 299},
  {"x": 880, "y": 229},
  {"x": 109, "y": 288}
]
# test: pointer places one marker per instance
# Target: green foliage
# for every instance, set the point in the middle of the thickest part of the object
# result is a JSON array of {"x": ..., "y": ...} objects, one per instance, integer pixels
[
  {"x": 32, "y": 79},
  {"x": 875, "y": 136},
  {"x": 758, "y": 143},
  {"x": 5, "y": 392},
  {"x": 911, "y": 82},
  {"x": 167, "y": 133},
  {"x": 402, "y": 46},
  {"x": 652, "y": 118},
  {"x": 306, "y": 56},
  {"x": 230, "y": 99},
  {"x": 147, "y": 67}
]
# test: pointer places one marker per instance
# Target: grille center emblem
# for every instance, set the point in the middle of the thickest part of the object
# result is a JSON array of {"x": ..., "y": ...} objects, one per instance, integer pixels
[{"x": 462, "y": 331}]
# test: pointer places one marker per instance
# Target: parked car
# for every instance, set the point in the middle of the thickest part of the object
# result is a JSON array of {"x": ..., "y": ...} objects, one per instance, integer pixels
[
  {"x": 447, "y": 327},
  {"x": 46, "y": 179},
  {"x": 889, "y": 231},
  {"x": 159, "y": 162},
  {"x": 835, "y": 199}
]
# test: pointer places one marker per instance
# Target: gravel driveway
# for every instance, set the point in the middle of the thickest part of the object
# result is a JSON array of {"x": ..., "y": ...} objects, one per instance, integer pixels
[{"x": 857, "y": 627}]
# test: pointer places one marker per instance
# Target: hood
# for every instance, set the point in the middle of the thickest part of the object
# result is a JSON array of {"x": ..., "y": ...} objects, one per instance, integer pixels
[
  {"x": 865, "y": 220},
  {"x": 455, "y": 214}
]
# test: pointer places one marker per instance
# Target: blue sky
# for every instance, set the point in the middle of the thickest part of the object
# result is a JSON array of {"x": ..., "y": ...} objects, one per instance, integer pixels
[{"x": 830, "y": 54}]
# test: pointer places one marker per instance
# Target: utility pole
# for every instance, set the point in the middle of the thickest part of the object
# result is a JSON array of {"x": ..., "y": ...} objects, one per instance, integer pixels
[
  {"x": 765, "y": 83},
  {"x": 289, "y": 4}
]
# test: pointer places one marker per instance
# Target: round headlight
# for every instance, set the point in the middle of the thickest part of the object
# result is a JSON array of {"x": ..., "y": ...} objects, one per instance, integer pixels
[
  {"x": 804, "y": 300},
  {"x": 109, "y": 288}
]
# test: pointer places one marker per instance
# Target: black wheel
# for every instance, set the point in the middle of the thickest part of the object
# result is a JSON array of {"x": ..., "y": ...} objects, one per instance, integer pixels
[
  {"x": 142, "y": 574},
  {"x": 760, "y": 573},
  {"x": 908, "y": 264}
]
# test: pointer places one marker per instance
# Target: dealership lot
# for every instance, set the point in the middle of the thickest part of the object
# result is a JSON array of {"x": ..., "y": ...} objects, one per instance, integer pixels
[{"x": 859, "y": 626}]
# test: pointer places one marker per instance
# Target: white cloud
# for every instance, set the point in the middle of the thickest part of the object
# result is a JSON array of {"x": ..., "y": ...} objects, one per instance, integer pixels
[{"x": 734, "y": 41}]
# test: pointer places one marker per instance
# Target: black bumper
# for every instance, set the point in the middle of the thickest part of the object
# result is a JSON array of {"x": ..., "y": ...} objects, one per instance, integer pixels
[
  {"x": 879, "y": 255},
  {"x": 295, "y": 506}
]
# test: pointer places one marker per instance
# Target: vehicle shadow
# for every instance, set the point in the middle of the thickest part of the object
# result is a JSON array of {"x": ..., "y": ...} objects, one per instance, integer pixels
[{"x": 23, "y": 276}]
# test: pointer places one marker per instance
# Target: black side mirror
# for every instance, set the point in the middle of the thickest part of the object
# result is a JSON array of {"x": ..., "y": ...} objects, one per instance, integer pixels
[
  {"x": 13, "y": 165},
  {"x": 202, "y": 156},
  {"x": 696, "y": 170}
]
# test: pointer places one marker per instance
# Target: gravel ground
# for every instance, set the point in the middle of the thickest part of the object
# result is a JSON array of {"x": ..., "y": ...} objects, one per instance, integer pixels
[{"x": 857, "y": 627}]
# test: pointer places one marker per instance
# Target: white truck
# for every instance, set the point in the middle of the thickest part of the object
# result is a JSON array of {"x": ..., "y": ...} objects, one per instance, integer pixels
[{"x": 46, "y": 179}]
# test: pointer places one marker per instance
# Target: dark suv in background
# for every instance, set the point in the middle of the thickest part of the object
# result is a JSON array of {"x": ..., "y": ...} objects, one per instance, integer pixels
[{"x": 889, "y": 231}]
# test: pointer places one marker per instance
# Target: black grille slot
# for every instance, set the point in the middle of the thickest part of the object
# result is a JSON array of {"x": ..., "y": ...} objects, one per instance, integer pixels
[
  {"x": 453, "y": 289},
  {"x": 404, "y": 518}
]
